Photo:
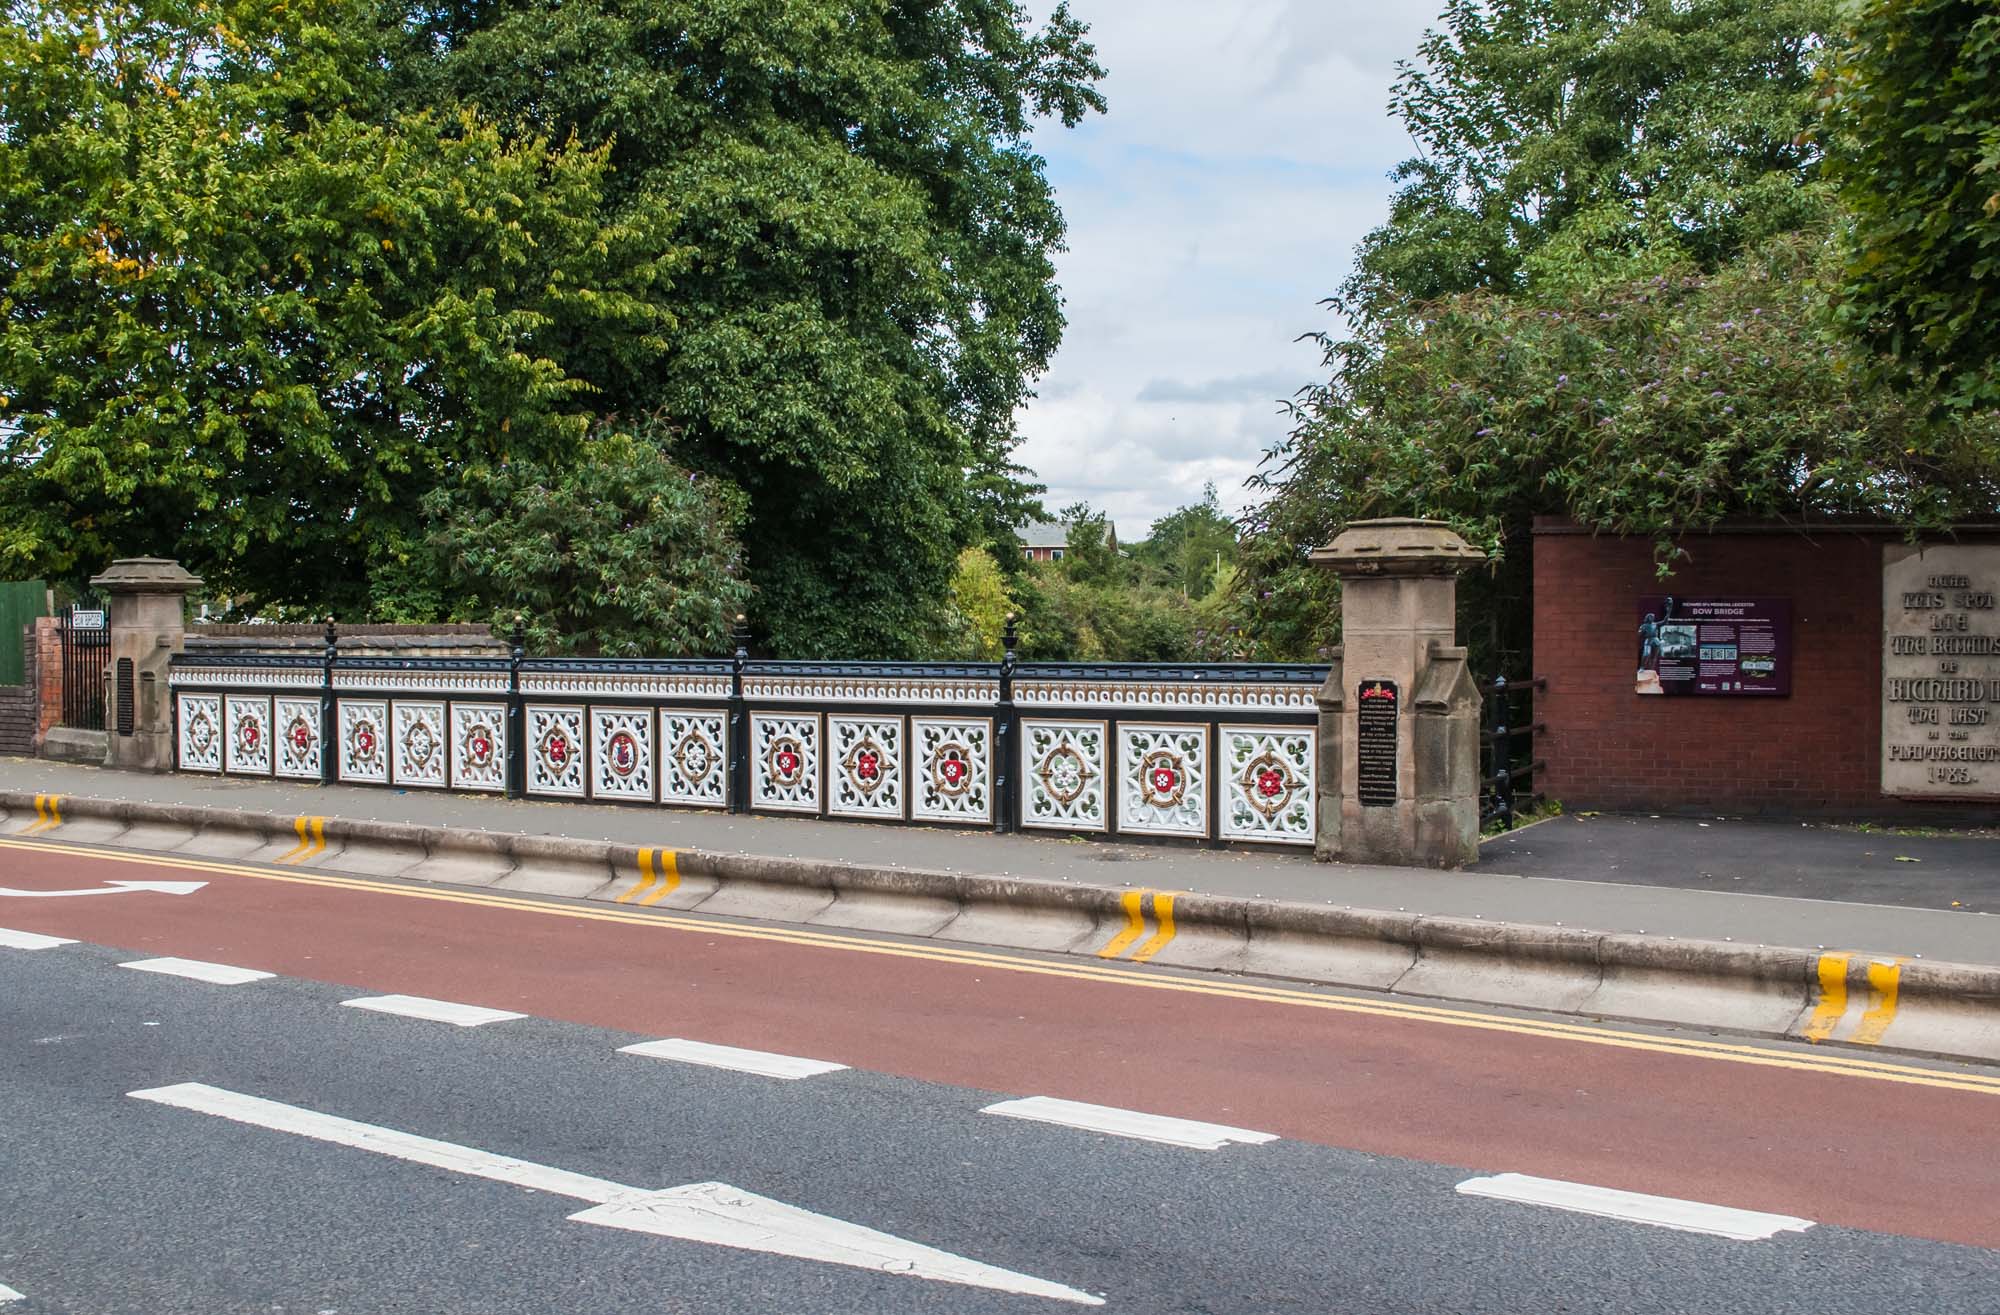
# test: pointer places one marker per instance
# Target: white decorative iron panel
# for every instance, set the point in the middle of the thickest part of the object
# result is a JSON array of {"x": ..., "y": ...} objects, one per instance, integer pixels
[
  {"x": 694, "y": 763},
  {"x": 866, "y": 757},
  {"x": 555, "y": 750},
  {"x": 295, "y": 722},
  {"x": 1163, "y": 780},
  {"x": 621, "y": 753},
  {"x": 784, "y": 762},
  {"x": 364, "y": 740},
  {"x": 478, "y": 746},
  {"x": 1267, "y": 784},
  {"x": 200, "y": 732},
  {"x": 953, "y": 769},
  {"x": 608, "y": 685},
  {"x": 425, "y": 682},
  {"x": 421, "y": 744},
  {"x": 1177, "y": 696},
  {"x": 260, "y": 677},
  {"x": 1063, "y": 774},
  {"x": 246, "y": 749}
]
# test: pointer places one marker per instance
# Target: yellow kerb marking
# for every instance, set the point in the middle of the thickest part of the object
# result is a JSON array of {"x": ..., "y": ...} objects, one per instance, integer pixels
[
  {"x": 1883, "y": 981},
  {"x": 670, "y": 877},
  {"x": 41, "y": 815},
  {"x": 55, "y": 811},
  {"x": 298, "y": 849},
  {"x": 1135, "y": 925},
  {"x": 1824, "y": 1063},
  {"x": 1163, "y": 909},
  {"x": 319, "y": 839},
  {"x": 646, "y": 878},
  {"x": 1832, "y": 998}
]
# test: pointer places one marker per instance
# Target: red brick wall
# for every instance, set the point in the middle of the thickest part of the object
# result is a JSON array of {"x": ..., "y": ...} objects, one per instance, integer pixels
[
  {"x": 47, "y": 643},
  {"x": 1815, "y": 752}
]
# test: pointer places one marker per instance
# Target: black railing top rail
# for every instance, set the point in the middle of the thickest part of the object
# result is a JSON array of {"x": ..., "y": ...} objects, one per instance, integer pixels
[
  {"x": 617, "y": 666},
  {"x": 1233, "y": 673},
  {"x": 864, "y": 670},
  {"x": 253, "y": 661}
]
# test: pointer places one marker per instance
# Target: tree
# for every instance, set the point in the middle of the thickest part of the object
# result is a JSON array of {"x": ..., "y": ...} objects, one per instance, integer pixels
[
  {"x": 250, "y": 316},
  {"x": 1191, "y": 545},
  {"x": 869, "y": 288},
  {"x": 619, "y": 551},
  {"x": 1561, "y": 136},
  {"x": 1088, "y": 555},
  {"x": 980, "y": 607},
  {"x": 1914, "y": 112}
]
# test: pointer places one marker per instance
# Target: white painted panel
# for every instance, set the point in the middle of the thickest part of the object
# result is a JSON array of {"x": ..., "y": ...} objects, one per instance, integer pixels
[
  {"x": 1635, "y": 1207},
  {"x": 221, "y": 974},
  {"x": 730, "y": 1057},
  {"x": 31, "y": 940},
  {"x": 435, "y": 1011},
  {"x": 1128, "y": 1123}
]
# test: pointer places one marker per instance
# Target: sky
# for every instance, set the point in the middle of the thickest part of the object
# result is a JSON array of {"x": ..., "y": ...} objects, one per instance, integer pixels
[{"x": 1245, "y": 152}]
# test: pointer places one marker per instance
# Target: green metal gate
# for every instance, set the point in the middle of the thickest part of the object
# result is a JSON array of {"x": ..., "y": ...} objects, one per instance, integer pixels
[{"x": 21, "y": 601}]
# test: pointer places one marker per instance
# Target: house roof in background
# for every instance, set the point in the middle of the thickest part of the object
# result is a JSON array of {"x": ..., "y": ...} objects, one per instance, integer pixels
[{"x": 1043, "y": 534}]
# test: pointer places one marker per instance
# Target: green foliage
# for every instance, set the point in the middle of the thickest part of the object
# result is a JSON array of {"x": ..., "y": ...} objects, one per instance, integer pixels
[
  {"x": 618, "y": 551},
  {"x": 872, "y": 288},
  {"x": 1089, "y": 556},
  {"x": 1914, "y": 107},
  {"x": 980, "y": 606},
  {"x": 1191, "y": 546},
  {"x": 249, "y": 316},
  {"x": 1577, "y": 139}
]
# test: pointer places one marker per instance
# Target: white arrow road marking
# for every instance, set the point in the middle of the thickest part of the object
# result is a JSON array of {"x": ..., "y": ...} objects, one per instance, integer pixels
[
  {"x": 30, "y": 940},
  {"x": 715, "y": 1213},
  {"x": 221, "y": 974},
  {"x": 742, "y": 1061},
  {"x": 435, "y": 1011},
  {"x": 1635, "y": 1207},
  {"x": 111, "y": 888},
  {"x": 1128, "y": 1123}
]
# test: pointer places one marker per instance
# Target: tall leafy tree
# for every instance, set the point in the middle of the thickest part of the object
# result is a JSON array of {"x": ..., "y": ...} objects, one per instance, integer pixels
[
  {"x": 250, "y": 314},
  {"x": 1914, "y": 109},
  {"x": 869, "y": 288}
]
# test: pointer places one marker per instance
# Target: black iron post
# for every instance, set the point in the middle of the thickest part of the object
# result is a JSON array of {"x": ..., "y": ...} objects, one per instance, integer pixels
[
  {"x": 329, "y": 730},
  {"x": 739, "y": 720},
  {"x": 1503, "y": 755},
  {"x": 1006, "y": 732},
  {"x": 517, "y": 752}
]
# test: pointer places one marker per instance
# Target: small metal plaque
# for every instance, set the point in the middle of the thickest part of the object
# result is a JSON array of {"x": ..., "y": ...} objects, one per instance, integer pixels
[{"x": 1377, "y": 704}]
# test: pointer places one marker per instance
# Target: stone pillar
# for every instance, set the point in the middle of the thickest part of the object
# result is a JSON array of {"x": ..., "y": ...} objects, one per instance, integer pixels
[
  {"x": 1399, "y": 713},
  {"x": 147, "y": 601}
]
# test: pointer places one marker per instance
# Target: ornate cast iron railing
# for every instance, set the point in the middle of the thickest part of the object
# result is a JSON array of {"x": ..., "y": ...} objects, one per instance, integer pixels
[{"x": 1208, "y": 753}]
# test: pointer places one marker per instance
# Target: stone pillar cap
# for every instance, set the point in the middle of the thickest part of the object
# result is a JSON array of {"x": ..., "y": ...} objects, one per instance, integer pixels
[
  {"x": 146, "y": 575},
  {"x": 1397, "y": 545}
]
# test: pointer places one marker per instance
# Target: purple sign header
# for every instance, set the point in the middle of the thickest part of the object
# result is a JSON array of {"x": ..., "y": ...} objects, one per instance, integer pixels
[{"x": 1714, "y": 645}]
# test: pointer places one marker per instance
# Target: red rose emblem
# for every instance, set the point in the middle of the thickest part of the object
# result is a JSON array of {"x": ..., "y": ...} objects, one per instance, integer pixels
[
  {"x": 1163, "y": 780},
  {"x": 867, "y": 766},
  {"x": 482, "y": 747},
  {"x": 301, "y": 737},
  {"x": 788, "y": 763},
  {"x": 364, "y": 741},
  {"x": 1270, "y": 782},
  {"x": 953, "y": 769},
  {"x": 250, "y": 736}
]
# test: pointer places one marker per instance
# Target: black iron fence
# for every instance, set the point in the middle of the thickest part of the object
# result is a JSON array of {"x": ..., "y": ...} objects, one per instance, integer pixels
[
  {"x": 1210, "y": 752},
  {"x": 1508, "y": 763},
  {"x": 86, "y": 650}
]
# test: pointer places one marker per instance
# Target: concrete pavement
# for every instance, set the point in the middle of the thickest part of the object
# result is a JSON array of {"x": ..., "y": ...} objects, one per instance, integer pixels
[
  {"x": 118, "y": 1205},
  {"x": 1591, "y": 893}
]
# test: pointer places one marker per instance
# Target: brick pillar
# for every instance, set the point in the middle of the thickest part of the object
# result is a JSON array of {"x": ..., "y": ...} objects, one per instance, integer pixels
[{"x": 45, "y": 674}]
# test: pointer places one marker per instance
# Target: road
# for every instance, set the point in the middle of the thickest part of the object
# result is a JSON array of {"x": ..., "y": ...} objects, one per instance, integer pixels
[{"x": 289, "y": 1150}]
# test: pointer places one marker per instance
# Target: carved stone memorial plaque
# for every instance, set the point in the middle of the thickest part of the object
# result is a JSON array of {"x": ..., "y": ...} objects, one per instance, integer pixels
[
  {"x": 1377, "y": 702},
  {"x": 1941, "y": 671}
]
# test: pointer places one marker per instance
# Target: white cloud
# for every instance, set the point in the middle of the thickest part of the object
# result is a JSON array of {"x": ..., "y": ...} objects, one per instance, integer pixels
[{"x": 1245, "y": 153}]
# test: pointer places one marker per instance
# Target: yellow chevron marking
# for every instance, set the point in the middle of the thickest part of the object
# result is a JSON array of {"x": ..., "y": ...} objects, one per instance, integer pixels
[
  {"x": 1135, "y": 925},
  {"x": 1832, "y": 998},
  {"x": 1163, "y": 910}
]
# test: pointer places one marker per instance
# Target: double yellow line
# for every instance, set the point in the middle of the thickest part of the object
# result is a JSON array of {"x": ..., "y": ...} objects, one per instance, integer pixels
[
  {"x": 655, "y": 882},
  {"x": 48, "y": 814},
  {"x": 312, "y": 841},
  {"x": 1830, "y": 1063},
  {"x": 1140, "y": 905}
]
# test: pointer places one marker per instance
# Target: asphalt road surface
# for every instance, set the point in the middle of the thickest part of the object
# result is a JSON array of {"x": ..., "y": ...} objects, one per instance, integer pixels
[{"x": 179, "y": 1138}]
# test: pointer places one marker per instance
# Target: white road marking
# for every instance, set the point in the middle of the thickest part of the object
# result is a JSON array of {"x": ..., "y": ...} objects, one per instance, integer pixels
[
  {"x": 742, "y": 1061},
  {"x": 722, "y": 1215},
  {"x": 1128, "y": 1123},
  {"x": 8, "y": 1294},
  {"x": 221, "y": 974},
  {"x": 30, "y": 940},
  {"x": 436, "y": 1011},
  {"x": 1635, "y": 1207},
  {"x": 712, "y": 1213},
  {"x": 111, "y": 888},
  {"x": 261, "y": 1113}
]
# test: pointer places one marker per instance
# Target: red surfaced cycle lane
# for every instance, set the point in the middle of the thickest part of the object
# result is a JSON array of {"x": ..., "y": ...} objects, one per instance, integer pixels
[{"x": 1489, "y": 1093}]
